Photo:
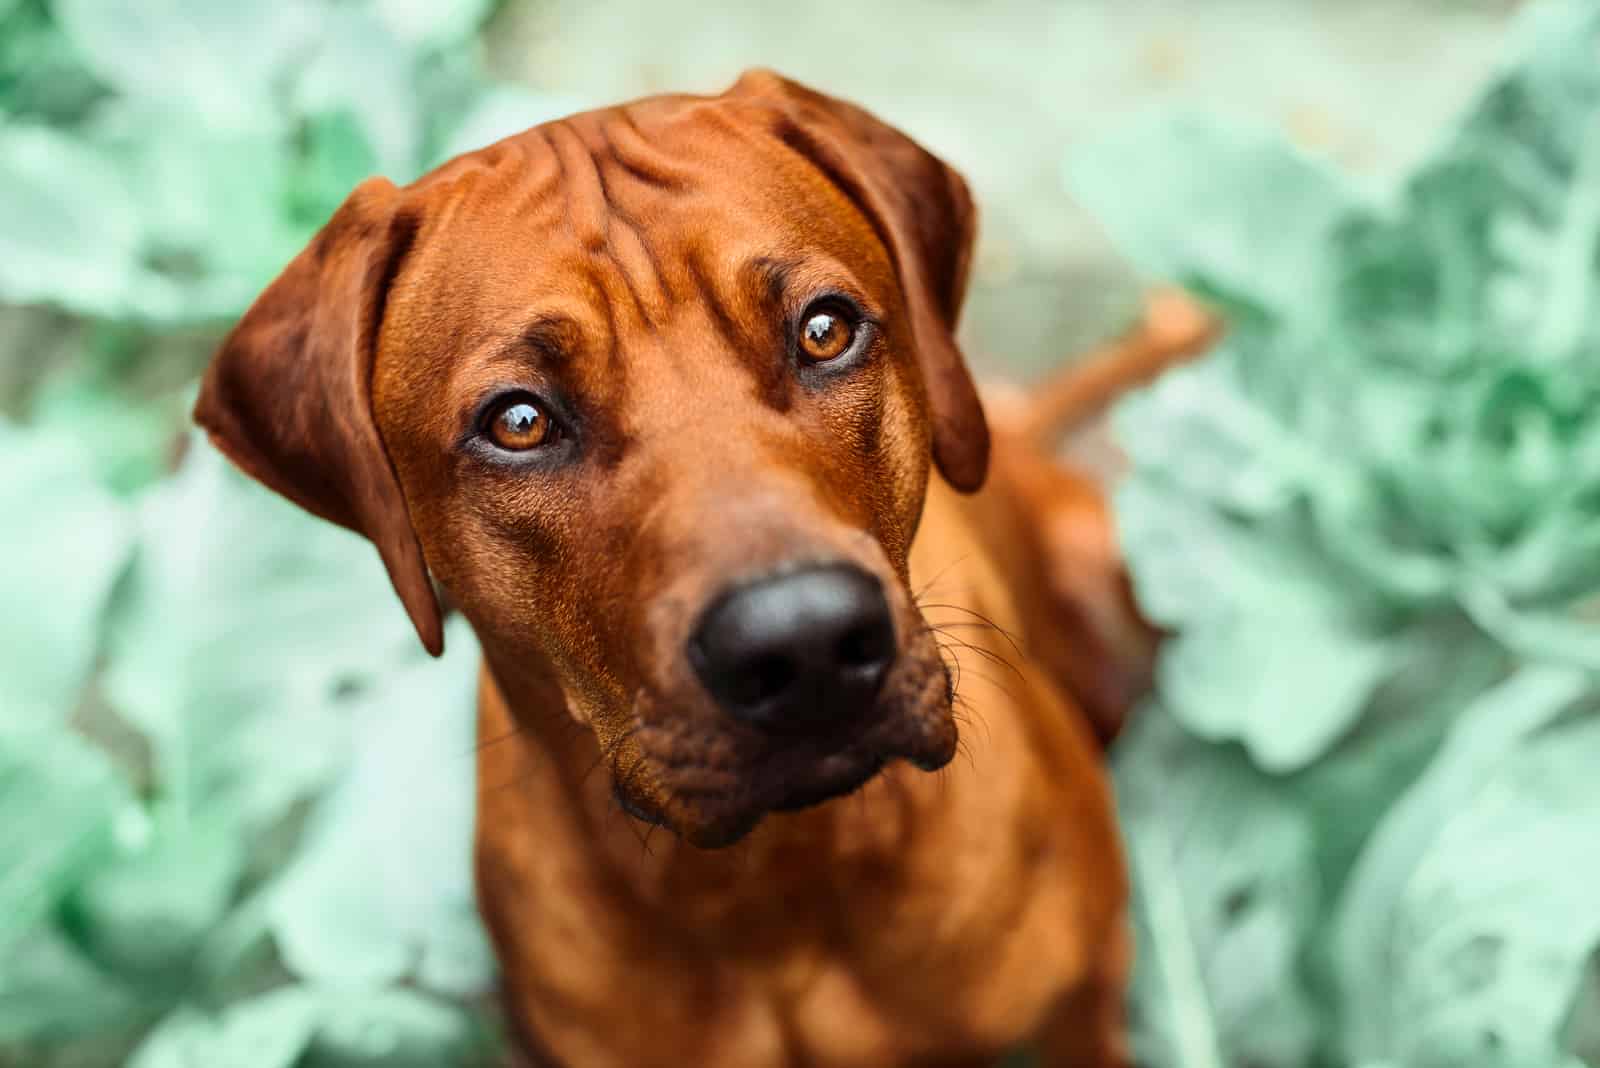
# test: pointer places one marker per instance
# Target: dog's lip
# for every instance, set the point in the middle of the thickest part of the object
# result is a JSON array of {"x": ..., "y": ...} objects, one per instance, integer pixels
[
  {"x": 713, "y": 806},
  {"x": 810, "y": 794},
  {"x": 722, "y": 818}
]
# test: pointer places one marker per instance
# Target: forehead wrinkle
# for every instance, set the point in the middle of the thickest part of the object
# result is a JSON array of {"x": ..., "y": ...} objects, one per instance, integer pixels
[
  {"x": 638, "y": 269},
  {"x": 723, "y": 321},
  {"x": 601, "y": 297},
  {"x": 756, "y": 339},
  {"x": 543, "y": 166},
  {"x": 622, "y": 259},
  {"x": 587, "y": 210},
  {"x": 638, "y": 156},
  {"x": 511, "y": 179}
]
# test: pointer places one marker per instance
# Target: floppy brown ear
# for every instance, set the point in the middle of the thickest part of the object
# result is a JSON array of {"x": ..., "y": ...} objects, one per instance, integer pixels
[
  {"x": 288, "y": 395},
  {"x": 925, "y": 217}
]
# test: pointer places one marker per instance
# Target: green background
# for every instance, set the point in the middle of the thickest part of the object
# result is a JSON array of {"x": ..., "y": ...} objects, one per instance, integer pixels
[{"x": 1363, "y": 807}]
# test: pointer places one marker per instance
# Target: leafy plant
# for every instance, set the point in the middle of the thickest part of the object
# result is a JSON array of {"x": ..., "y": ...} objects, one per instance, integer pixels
[{"x": 1371, "y": 520}]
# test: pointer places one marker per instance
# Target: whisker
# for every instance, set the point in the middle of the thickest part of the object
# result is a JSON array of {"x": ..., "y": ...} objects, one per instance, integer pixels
[
  {"x": 625, "y": 775},
  {"x": 979, "y": 619},
  {"x": 605, "y": 754},
  {"x": 988, "y": 654},
  {"x": 967, "y": 712},
  {"x": 995, "y": 682},
  {"x": 927, "y": 587},
  {"x": 480, "y": 745}
]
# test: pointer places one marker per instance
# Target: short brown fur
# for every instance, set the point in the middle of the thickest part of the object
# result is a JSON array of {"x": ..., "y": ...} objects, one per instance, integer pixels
[{"x": 639, "y": 268}]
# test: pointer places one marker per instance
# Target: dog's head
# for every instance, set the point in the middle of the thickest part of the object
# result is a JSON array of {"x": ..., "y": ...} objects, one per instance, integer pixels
[{"x": 652, "y": 392}]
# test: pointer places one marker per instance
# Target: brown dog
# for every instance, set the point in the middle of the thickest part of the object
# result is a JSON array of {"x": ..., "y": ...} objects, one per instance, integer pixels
[{"x": 652, "y": 394}]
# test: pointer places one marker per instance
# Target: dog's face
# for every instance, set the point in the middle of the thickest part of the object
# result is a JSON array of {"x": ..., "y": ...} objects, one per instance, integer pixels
[{"x": 654, "y": 392}]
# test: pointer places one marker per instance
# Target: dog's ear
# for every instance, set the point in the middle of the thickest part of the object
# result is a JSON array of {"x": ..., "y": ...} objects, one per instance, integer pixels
[
  {"x": 922, "y": 211},
  {"x": 288, "y": 395}
]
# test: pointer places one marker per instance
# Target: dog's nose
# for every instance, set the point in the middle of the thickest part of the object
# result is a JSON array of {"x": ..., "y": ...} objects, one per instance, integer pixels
[{"x": 798, "y": 650}]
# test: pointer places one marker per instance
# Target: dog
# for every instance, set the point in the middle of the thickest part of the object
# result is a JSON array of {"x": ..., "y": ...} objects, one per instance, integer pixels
[{"x": 666, "y": 400}]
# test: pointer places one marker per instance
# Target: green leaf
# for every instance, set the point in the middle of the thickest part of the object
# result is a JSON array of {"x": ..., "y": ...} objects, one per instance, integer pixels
[
  {"x": 245, "y": 628},
  {"x": 1272, "y": 646},
  {"x": 423, "y": 24},
  {"x": 270, "y": 1031},
  {"x": 1225, "y": 892},
  {"x": 393, "y": 1029},
  {"x": 1225, "y": 208},
  {"x": 1193, "y": 564},
  {"x": 382, "y": 889},
  {"x": 41, "y": 76},
  {"x": 363, "y": 70},
  {"x": 186, "y": 176},
  {"x": 309, "y": 1027},
  {"x": 219, "y": 61},
  {"x": 1196, "y": 426},
  {"x": 1552, "y": 637},
  {"x": 50, "y": 992},
  {"x": 1532, "y": 143},
  {"x": 1465, "y": 914},
  {"x": 1581, "y": 1033},
  {"x": 59, "y": 802},
  {"x": 127, "y": 441},
  {"x": 1440, "y": 668},
  {"x": 73, "y": 232},
  {"x": 1287, "y": 685},
  {"x": 67, "y": 539},
  {"x": 143, "y": 913},
  {"x": 337, "y": 157},
  {"x": 1492, "y": 247}
]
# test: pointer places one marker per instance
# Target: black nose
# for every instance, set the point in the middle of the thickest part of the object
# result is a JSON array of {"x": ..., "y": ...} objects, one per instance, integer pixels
[{"x": 799, "y": 650}]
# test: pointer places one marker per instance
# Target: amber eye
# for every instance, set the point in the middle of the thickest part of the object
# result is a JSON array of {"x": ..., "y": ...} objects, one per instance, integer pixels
[
  {"x": 825, "y": 335},
  {"x": 518, "y": 425}
]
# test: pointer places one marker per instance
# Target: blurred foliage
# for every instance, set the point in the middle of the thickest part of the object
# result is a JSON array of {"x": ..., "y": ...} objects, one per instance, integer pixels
[
  {"x": 198, "y": 864},
  {"x": 235, "y": 799},
  {"x": 1362, "y": 809}
]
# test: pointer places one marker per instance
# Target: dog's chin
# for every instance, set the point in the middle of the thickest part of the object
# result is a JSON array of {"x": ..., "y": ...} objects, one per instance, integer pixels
[{"x": 712, "y": 808}]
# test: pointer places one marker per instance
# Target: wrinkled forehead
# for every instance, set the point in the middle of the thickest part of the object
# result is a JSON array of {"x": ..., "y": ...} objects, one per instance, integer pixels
[{"x": 617, "y": 221}]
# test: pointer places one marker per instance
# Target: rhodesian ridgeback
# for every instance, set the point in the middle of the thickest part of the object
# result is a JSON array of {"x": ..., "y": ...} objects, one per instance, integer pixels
[{"x": 791, "y": 749}]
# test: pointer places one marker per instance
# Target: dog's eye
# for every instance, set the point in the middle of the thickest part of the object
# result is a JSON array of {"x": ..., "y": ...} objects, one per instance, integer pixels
[
  {"x": 825, "y": 334},
  {"x": 518, "y": 424}
]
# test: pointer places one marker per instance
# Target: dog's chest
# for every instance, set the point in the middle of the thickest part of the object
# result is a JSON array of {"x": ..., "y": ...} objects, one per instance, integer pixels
[{"x": 847, "y": 947}]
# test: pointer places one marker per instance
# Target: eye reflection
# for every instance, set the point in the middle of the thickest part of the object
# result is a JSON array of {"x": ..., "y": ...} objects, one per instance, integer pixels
[
  {"x": 825, "y": 335},
  {"x": 519, "y": 425}
]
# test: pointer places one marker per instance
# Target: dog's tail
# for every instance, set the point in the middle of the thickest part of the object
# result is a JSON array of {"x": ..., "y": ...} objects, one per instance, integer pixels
[{"x": 1175, "y": 328}]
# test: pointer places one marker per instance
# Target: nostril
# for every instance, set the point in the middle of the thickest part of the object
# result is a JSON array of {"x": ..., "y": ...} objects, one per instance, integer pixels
[
  {"x": 763, "y": 679},
  {"x": 867, "y": 645}
]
